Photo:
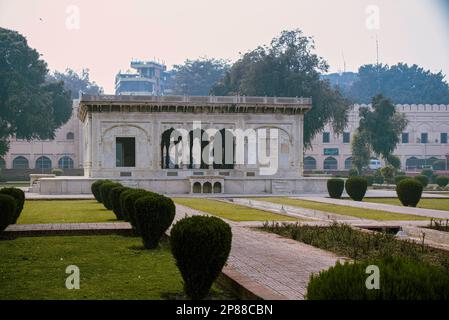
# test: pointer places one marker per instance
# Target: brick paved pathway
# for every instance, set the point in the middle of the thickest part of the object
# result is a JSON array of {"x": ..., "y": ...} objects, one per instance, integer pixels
[{"x": 277, "y": 263}]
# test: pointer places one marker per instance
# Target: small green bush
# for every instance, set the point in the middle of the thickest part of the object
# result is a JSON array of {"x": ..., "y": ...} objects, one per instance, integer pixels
[
  {"x": 335, "y": 187},
  {"x": 114, "y": 199},
  {"x": 442, "y": 181},
  {"x": 128, "y": 209},
  {"x": 95, "y": 188},
  {"x": 7, "y": 210},
  {"x": 19, "y": 197},
  {"x": 105, "y": 188},
  {"x": 356, "y": 188},
  {"x": 409, "y": 192},
  {"x": 424, "y": 180},
  {"x": 388, "y": 173},
  {"x": 398, "y": 179},
  {"x": 201, "y": 246},
  {"x": 427, "y": 172},
  {"x": 378, "y": 178},
  {"x": 400, "y": 279},
  {"x": 154, "y": 215},
  {"x": 57, "y": 172}
]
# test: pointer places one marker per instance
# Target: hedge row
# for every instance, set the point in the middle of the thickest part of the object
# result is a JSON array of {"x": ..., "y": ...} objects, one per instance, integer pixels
[{"x": 200, "y": 244}]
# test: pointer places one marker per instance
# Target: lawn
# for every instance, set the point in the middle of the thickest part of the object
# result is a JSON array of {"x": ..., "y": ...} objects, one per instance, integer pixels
[
  {"x": 64, "y": 211},
  {"x": 437, "y": 204},
  {"x": 343, "y": 210},
  {"x": 16, "y": 184},
  {"x": 231, "y": 211},
  {"x": 111, "y": 267}
]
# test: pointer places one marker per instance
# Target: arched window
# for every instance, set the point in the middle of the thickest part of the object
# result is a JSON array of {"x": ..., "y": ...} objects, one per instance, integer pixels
[
  {"x": 20, "y": 163},
  {"x": 309, "y": 163},
  {"x": 70, "y": 136},
  {"x": 217, "y": 187},
  {"x": 196, "y": 187},
  {"x": 348, "y": 163},
  {"x": 411, "y": 163},
  {"x": 43, "y": 163},
  {"x": 207, "y": 187},
  {"x": 65, "y": 163},
  {"x": 330, "y": 163},
  {"x": 2, "y": 163}
]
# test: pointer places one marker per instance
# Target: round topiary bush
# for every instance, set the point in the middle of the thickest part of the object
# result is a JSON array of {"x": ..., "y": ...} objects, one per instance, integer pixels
[
  {"x": 114, "y": 199},
  {"x": 356, "y": 188},
  {"x": 7, "y": 210},
  {"x": 409, "y": 192},
  {"x": 57, "y": 172},
  {"x": 353, "y": 172},
  {"x": 398, "y": 179},
  {"x": 400, "y": 279},
  {"x": 128, "y": 209},
  {"x": 424, "y": 180},
  {"x": 442, "y": 181},
  {"x": 154, "y": 215},
  {"x": 95, "y": 188},
  {"x": 335, "y": 187},
  {"x": 201, "y": 246},
  {"x": 105, "y": 188},
  {"x": 19, "y": 197}
]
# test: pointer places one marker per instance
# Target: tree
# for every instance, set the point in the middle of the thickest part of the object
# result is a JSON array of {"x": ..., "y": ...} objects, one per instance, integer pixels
[
  {"x": 382, "y": 126},
  {"x": 361, "y": 152},
  {"x": 288, "y": 67},
  {"x": 75, "y": 82},
  {"x": 196, "y": 77},
  {"x": 404, "y": 84},
  {"x": 30, "y": 107}
]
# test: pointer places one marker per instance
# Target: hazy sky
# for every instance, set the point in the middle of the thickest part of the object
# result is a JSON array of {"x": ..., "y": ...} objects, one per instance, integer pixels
[{"x": 108, "y": 34}]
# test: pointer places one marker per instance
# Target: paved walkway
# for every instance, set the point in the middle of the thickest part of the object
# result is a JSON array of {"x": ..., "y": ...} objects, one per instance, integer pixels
[
  {"x": 282, "y": 265},
  {"x": 440, "y": 214}
]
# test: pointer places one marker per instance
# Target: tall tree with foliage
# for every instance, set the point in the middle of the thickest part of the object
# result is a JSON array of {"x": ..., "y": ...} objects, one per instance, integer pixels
[
  {"x": 30, "y": 107},
  {"x": 382, "y": 126},
  {"x": 360, "y": 150},
  {"x": 288, "y": 67},
  {"x": 75, "y": 82},
  {"x": 196, "y": 77},
  {"x": 403, "y": 83}
]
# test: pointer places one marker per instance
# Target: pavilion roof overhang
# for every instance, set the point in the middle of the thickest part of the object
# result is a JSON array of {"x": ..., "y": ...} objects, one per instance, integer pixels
[{"x": 193, "y": 104}]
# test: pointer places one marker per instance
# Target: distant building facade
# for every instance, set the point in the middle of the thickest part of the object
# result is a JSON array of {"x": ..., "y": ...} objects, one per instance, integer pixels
[
  {"x": 423, "y": 144},
  {"x": 63, "y": 152},
  {"x": 148, "y": 79}
]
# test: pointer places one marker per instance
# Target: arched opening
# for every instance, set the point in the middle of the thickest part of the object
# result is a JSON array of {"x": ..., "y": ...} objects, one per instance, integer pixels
[
  {"x": 227, "y": 148},
  {"x": 198, "y": 133},
  {"x": 166, "y": 161},
  {"x": 207, "y": 187},
  {"x": 20, "y": 163},
  {"x": 411, "y": 163},
  {"x": 65, "y": 163},
  {"x": 70, "y": 136},
  {"x": 196, "y": 187},
  {"x": 217, "y": 187},
  {"x": 348, "y": 163},
  {"x": 309, "y": 163},
  {"x": 2, "y": 163},
  {"x": 43, "y": 163},
  {"x": 330, "y": 163}
]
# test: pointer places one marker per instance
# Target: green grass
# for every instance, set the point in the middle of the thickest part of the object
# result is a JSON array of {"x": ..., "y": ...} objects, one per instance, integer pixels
[
  {"x": 343, "y": 210},
  {"x": 64, "y": 211},
  {"x": 231, "y": 211},
  {"x": 437, "y": 204},
  {"x": 111, "y": 267},
  {"x": 16, "y": 184}
]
